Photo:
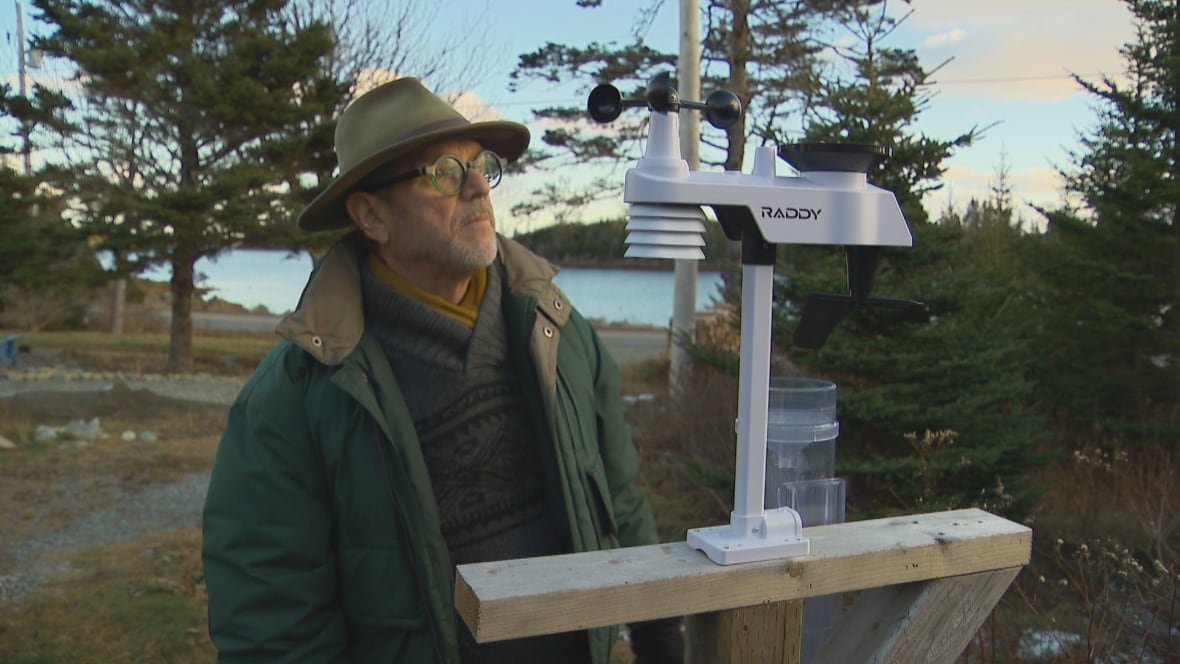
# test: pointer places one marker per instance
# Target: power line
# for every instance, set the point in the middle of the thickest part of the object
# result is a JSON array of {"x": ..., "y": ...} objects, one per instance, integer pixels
[
  {"x": 959, "y": 81},
  {"x": 1016, "y": 79}
]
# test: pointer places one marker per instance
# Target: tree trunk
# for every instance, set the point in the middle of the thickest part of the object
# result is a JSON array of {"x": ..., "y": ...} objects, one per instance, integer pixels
[
  {"x": 118, "y": 300},
  {"x": 180, "y": 348},
  {"x": 739, "y": 82}
]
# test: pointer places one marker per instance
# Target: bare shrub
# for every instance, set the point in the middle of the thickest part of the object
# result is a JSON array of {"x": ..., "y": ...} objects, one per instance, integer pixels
[
  {"x": 33, "y": 311},
  {"x": 1103, "y": 583},
  {"x": 688, "y": 445}
]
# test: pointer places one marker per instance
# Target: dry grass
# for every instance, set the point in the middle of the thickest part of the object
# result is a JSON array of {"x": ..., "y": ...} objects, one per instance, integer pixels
[
  {"x": 138, "y": 601},
  {"x": 687, "y": 448},
  {"x": 1104, "y": 582},
  {"x": 141, "y": 601},
  {"x": 147, "y": 352}
]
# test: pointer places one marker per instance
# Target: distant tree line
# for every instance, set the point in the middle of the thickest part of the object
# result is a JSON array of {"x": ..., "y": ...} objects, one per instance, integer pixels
[{"x": 603, "y": 244}]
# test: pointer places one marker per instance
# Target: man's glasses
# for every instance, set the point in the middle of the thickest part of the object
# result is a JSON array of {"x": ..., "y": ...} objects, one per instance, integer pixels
[{"x": 448, "y": 173}]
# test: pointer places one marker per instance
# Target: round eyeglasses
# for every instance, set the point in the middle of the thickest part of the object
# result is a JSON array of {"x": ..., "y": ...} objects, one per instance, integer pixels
[{"x": 448, "y": 173}]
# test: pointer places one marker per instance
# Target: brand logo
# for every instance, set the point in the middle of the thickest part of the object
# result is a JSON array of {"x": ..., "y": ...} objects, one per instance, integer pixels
[{"x": 769, "y": 212}]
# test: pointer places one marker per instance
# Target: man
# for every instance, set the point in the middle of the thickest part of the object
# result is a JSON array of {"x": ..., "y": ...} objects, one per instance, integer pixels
[{"x": 436, "y": 401}]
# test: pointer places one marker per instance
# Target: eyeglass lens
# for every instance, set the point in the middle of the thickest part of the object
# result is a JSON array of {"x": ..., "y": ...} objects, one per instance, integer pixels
[{"x": 449, "y": 173}]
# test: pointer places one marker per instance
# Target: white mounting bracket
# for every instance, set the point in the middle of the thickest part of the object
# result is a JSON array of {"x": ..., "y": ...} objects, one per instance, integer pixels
[{"x": 779, "y": 534}]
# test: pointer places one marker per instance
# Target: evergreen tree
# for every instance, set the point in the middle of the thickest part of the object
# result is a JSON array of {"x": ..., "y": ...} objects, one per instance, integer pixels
[
  {"x": 186, "y": 113},
  {"x": 1108, "y": 352},
  {"x": 957, "y": 366},
  {"x": 47, "y": 271},
  {"x": 765, "y": 51}
]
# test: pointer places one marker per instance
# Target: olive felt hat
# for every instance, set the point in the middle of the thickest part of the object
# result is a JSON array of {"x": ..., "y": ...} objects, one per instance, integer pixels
[{"x": 388, "y": 122}]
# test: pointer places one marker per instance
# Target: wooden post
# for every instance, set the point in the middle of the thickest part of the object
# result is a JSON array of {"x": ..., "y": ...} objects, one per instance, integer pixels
[
  {"x": 770, "y": 633},
  {"x": 937, "y": 575}
]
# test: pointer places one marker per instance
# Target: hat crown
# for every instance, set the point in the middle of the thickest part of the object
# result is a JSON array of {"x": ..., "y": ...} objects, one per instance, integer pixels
[
  {"x": 390, "y": 114},
  {"x": 389, "y": 122}
]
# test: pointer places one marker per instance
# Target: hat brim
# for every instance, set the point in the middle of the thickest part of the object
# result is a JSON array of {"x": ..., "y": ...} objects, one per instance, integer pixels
[{"x": 327, "y": 212}]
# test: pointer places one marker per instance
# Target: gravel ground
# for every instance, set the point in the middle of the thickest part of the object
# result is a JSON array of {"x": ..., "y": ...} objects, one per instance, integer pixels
[
  {"x": 203, "y": 388},
  {"x": 157, "y": 508}
]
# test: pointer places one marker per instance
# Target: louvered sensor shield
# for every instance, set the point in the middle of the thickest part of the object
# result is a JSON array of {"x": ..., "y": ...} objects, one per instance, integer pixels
[{"x": 665, "y": 231}]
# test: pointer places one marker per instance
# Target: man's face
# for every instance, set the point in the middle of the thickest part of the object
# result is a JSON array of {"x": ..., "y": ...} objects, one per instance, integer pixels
[{"x": 421, "y": 232}]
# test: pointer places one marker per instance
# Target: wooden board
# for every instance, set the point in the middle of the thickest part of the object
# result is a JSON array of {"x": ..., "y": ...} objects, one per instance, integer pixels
[
  {"x": 917, "y": 623},
  {"x": 515, "y": 598}
]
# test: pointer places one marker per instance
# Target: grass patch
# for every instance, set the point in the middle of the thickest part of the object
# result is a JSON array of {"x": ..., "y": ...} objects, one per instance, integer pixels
[
  {"x": 141, "y": 601},
  {"x": 147, "y": 352},
  {"x": 644, "y": 376}
]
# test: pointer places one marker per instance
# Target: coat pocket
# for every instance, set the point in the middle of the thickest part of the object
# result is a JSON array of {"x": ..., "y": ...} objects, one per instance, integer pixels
[{"x": 378, "y": 591}]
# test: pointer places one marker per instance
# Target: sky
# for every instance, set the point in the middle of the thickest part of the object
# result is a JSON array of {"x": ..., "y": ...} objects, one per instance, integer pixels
[{"x": 1007, "y": 68}]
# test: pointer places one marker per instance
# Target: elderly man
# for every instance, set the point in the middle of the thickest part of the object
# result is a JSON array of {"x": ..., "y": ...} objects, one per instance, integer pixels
[{"x": 436, "y": 401}]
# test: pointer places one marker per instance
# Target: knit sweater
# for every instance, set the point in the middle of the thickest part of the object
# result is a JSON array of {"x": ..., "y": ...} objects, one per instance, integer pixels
[{"x": 480, "y": 452}]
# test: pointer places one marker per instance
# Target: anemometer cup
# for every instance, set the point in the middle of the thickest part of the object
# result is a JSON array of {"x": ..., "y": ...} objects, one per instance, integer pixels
[{"x": 722, "y": 108}]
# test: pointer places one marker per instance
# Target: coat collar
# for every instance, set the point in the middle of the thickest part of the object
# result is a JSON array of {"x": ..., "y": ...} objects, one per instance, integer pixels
[{"x": 329, "y": 320}]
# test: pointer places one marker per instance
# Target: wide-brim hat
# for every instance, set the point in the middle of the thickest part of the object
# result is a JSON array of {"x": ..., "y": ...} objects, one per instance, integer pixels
[{"x": 388, "y": 122}]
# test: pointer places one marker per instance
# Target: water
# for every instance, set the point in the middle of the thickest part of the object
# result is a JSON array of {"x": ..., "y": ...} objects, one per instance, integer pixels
[
  {"x": 638, "y": 297},
  {"x": 274, "y": 279}
]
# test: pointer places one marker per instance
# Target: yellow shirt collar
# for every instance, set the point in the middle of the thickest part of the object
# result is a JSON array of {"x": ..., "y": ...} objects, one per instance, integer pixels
[{"x": 465, "y": 311}]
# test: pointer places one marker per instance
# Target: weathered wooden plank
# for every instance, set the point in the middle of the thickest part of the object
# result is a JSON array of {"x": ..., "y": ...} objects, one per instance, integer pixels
[
  {"x": 768, "y": 634},
  {"x": 515, "y": 598},
  {"x": 927, "y": 622}
]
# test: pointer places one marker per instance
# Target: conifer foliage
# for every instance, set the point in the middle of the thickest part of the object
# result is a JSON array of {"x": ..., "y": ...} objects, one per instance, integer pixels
[
  {"x": 184, "y": 116},
  {"x": 1111, "y": 266}
]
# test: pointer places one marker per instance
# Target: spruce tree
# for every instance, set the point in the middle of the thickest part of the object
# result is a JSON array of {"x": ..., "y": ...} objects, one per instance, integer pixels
[
  {"x": 47, "y": 270},
  {"x": 186, "y": 115},
  {"x": 934, "y": 403},
  {"x": 1109, "y": 350}
]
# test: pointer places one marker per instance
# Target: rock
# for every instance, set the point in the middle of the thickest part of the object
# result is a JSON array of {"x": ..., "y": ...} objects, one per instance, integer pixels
[
  {"x": 85, "y": 430},
  {"x": 6, "y": 444},
  {"x": 147, "y": 437},
  {"x": 128, "y": 435},
  {"x": 44, "y": 434}
]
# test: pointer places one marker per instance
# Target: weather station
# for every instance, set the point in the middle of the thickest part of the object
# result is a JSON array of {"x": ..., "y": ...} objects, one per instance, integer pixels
[
  {"x": 923, "y": 583},
  {"x": 829, "y": 202}
]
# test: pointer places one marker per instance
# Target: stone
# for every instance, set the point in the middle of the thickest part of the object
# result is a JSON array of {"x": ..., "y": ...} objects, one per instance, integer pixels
[
  {"x": 147, "y": 437},
  {"x": 128, "y": 435},
  {"x": 85, "y": 430},
  {"x": 6, "y": 444}
]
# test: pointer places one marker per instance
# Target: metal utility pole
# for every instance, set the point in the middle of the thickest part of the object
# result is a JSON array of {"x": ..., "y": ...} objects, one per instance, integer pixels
[
  {"x": 684, "y": 297},
  {"x": 22, "y": 74}
]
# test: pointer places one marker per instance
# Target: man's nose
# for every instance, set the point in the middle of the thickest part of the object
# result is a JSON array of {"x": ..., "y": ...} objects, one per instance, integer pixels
[{"x": 475, "y": 185}]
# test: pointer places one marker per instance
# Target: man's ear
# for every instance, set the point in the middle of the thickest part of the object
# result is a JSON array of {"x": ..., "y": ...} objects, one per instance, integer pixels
[{"x": 363, "y": 209}]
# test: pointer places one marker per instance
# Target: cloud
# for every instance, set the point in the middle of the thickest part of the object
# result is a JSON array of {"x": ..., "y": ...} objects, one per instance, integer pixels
[
  {"x": 1017, "y": 49},
  {"x": 943, "y": 38},
  {"x": 474, "y": 108},
  {"x": 1041, "y": 187}
]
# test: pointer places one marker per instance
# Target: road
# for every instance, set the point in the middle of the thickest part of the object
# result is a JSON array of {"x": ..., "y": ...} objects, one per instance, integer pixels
[{"x": 625, "y": 344}]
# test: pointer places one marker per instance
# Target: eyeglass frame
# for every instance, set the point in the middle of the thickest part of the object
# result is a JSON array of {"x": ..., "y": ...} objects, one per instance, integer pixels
[{"x": 464, "y": 166}]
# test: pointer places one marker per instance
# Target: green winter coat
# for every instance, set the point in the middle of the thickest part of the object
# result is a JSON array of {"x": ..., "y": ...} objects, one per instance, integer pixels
[{"x": 321, "y": 533}]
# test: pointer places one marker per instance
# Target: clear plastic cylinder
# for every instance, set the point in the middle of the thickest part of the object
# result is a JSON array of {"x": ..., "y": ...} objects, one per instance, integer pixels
[{"x": 801, "y": 434}]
